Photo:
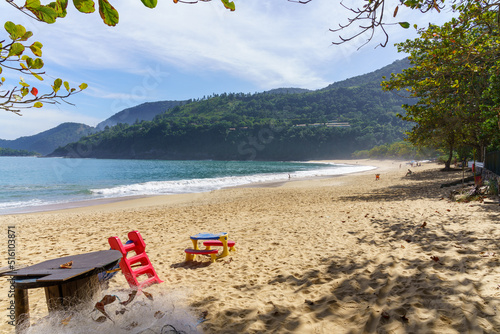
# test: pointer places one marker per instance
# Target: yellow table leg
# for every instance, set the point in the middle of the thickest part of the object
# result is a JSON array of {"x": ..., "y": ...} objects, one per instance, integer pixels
[
  {"x": 195, "y": 246},
  {"x": 225, "y": 250}
]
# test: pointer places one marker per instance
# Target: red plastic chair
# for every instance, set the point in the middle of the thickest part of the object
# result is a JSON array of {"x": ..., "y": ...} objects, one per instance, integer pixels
[{"x": 146, "y": 268}]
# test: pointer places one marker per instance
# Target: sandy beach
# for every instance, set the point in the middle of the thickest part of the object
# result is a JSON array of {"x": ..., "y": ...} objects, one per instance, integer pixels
[{"x": 347, "y": 254}]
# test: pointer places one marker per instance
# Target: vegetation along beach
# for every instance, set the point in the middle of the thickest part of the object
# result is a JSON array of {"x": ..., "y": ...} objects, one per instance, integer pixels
[{"x": 291, "y": 166}]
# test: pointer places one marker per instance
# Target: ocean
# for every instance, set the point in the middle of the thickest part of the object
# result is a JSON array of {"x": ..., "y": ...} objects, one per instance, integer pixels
[{"x": 29, "y": 184}]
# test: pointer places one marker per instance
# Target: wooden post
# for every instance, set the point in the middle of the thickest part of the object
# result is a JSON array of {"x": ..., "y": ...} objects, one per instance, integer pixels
[
  {"x": 69, "y": 294},
  {"x": 22, "y": 309}
]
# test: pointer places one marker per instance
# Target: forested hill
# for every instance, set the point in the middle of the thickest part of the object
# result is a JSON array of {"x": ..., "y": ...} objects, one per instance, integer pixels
[
  {"x": 143, "y": 112},
  {"x": 323, "y": 124},
  {"x": 373, "y": 77},
  {"x": 47, "y": 141}
]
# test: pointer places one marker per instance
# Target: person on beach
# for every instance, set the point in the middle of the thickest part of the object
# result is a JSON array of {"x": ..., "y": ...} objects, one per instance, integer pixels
[{"x": 409, "y": 172}]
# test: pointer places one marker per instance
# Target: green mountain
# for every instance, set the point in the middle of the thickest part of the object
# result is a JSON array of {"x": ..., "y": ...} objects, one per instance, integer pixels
[
  {"x": 9, "y": 152},
  {"x": 299, "y": 125},
  {"x": 143, "y": 112},
  {"x": 47, "y": 141},
  {"x": 290, "y": 90},
  {"x": 147, "y": 111},
  {"x": 373, "y": 77}
]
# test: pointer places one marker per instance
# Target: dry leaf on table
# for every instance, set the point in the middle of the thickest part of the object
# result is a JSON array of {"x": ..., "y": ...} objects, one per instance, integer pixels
[{"x": 66, "y": 265}]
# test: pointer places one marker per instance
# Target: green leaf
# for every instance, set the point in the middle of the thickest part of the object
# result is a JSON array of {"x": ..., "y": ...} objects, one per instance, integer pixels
[
  {"x": 38, "y": 105},
  {"x": 16, "y": 49},
  {"x": 57, "y": 85},
  {"x": 20, "y": 31},
  {"x": 28, "y": 60},
  {"x": 108, "y": 13},
  {"x": 36, "y": 48},
  {"x": 83, "y": 86},
  {"x": 66, "y": 85},
  {"x": 16, "y": 31},
  {"x": 32, "y": 4},
  {"x": 24, "y": 91},
  {"x": 63, "y": 5},
  {"x": 405, "y": 25},
  {"x": 150, "y": 3},
  {"x": 9, "y": 27},
  {"x": 84, "y": 6},
  {"x": 37, "y": 76},
  {"x": 229, "y": 5},
  {"x": 35, "y": 64},
  {"x": 38, "y": 64},
  {"x": 56, "y": 6},
  {"x": 26, "y": 36},
  {"x": 43, "y": 13}
]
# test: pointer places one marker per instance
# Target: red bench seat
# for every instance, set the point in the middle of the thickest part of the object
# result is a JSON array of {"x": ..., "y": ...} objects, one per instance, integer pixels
[
  {"x": 191, "y": 253},
  {"x": 210, "y": 243}
]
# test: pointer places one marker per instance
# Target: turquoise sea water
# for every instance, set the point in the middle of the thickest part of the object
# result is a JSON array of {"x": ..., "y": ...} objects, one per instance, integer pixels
[{"x": 27, "y": 183}]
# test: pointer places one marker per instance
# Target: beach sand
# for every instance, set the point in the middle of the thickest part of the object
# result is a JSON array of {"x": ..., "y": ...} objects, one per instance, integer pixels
[{"x": 346, "y": 254}]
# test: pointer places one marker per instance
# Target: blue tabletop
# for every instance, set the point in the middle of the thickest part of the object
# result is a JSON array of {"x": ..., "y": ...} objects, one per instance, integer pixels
[{"x": 207, "y": 236}]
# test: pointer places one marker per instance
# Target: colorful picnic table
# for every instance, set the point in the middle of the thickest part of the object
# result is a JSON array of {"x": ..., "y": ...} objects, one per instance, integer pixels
[{"x": 221, "y": 237}]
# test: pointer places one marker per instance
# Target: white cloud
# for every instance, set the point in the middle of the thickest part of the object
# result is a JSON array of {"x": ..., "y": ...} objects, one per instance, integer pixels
[
  {"x": 269, "y": 45},
  {"x": 262, "y": 45}
]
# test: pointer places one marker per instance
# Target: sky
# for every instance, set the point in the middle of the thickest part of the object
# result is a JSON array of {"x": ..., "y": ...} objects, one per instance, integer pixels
[{"x": 187, "y": 51}]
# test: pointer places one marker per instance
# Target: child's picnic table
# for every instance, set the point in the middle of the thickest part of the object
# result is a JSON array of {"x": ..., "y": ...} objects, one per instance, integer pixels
[
  {"x": 215, "y": 239},
  {"x": 205, "y": 236}
]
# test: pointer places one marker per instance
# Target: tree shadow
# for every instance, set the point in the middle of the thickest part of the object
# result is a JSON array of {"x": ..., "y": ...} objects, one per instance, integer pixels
[
  {"x": 421, "y": 185},
  {"x": 419, "y": 294},
  {"x": 425, "y": 279}
]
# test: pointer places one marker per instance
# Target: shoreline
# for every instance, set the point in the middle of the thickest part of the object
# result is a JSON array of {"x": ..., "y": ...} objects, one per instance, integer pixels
[
  {"x": 68, "y": 205},
  {"x": 111, "y": 200}
]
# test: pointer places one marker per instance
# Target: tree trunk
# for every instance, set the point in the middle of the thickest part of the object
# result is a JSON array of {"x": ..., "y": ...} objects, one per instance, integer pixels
[{"x": 447, "y": 163}]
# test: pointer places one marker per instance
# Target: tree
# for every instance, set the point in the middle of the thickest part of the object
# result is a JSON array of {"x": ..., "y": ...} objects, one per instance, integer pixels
[
  {"x": 14, "y": 57},
  {"x": 453, "y": 77},
  {"x": 373, "y": 15},
  {"x": 54, "y": 10}
]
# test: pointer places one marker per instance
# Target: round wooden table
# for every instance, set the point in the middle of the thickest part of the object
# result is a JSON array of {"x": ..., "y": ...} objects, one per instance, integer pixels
[{"x": 64, "y": 287}]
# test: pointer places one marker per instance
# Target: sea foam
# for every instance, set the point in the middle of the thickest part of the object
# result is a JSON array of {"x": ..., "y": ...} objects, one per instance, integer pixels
[{"x": 209, "y": 184}]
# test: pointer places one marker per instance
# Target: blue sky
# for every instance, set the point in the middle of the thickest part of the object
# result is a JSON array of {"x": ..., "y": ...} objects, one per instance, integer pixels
[{"x": 181, "y": 51}]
